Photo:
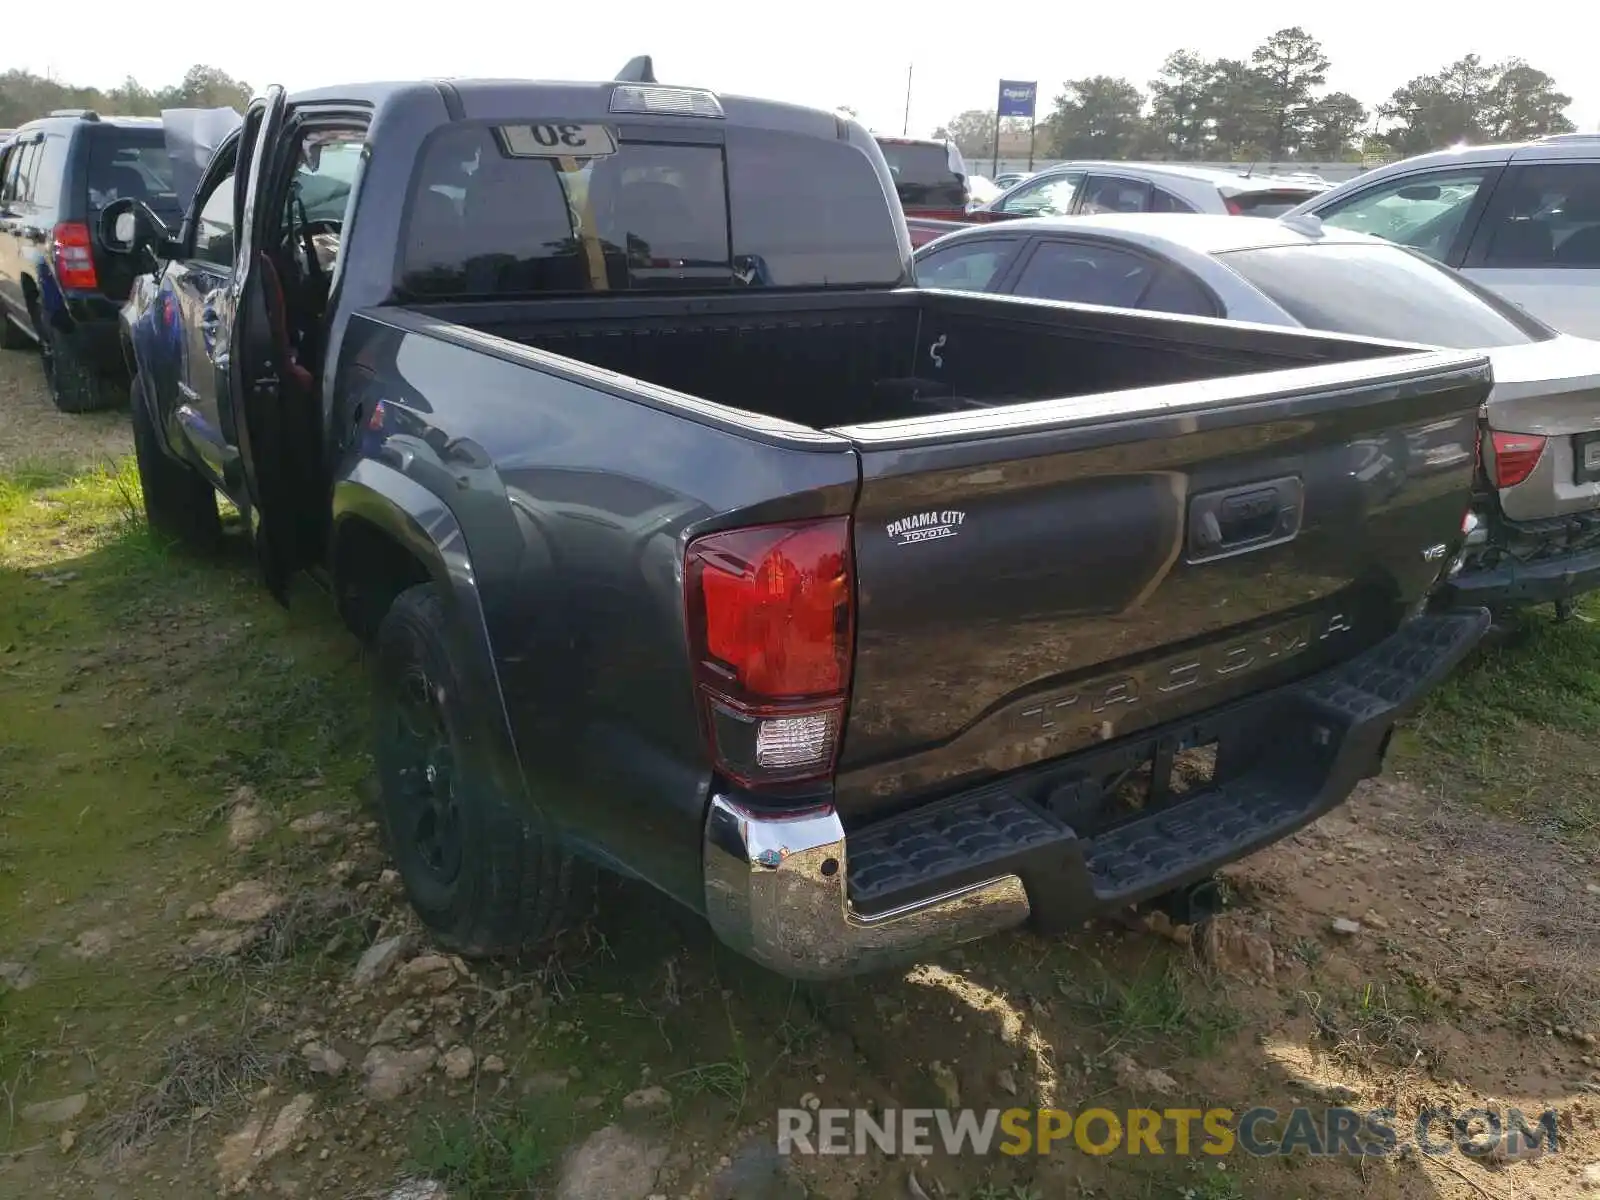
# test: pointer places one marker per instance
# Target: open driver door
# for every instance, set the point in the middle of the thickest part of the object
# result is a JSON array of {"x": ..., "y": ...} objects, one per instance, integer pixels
[{"x": 273, "y": 399}]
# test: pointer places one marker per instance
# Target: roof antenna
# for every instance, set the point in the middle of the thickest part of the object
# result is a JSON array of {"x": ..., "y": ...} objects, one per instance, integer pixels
[{"x": 638, "y": 70}]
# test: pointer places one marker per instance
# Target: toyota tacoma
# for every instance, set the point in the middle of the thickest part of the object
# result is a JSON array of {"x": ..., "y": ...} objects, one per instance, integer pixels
[{"x": 694, "y": 542}]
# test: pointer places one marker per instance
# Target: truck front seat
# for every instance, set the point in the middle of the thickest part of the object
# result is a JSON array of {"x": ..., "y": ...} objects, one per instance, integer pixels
[{"x": 278, "y": 327}]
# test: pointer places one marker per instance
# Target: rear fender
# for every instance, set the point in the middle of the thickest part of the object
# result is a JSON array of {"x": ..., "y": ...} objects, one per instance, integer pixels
[{"x": 423, "y": 525}]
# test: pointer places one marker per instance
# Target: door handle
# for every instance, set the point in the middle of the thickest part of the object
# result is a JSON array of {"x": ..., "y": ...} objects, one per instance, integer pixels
[{"x": 1248, "y": 517}]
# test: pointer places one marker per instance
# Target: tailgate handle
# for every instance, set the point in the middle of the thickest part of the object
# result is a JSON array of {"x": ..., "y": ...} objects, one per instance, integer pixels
[{"x": 1249, "y": 517}]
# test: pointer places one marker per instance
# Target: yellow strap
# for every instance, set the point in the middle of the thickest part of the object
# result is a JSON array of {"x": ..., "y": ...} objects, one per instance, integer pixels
[{"x": 588, "y": 235}]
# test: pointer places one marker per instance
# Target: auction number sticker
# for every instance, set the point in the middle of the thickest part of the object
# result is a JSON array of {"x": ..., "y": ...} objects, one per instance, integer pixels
[{"x": 550, "y": 140}]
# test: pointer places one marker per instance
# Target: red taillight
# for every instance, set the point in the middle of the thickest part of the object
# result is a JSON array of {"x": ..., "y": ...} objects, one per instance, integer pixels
[
  {"x": 770, "y": 628},
  {"x": 72, "y": 252},
  {"x": 1232, "y": 206},
  {"x": 1515, "y": 456}
]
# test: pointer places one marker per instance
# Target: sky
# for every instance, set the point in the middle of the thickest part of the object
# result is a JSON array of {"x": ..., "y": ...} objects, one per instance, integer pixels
[{"x": 819, "y": 52}]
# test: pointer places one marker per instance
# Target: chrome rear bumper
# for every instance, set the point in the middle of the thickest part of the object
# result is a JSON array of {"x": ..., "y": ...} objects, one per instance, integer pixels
[
  {"x": 779, "y": 888},
  {"x": 776, "y": 892}
]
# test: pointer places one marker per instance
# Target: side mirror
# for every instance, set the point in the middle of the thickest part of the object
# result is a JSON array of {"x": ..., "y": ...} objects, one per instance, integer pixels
[
  {"x": 119, "y": 227},
  {"x": 129, "y": 227}
]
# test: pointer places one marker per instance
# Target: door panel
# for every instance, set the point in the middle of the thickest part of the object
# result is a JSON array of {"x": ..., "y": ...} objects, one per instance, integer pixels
[
  {"x": 1567, "y": 299},
  {"x": 1538, "y": 244},
  {"x": 249, "y": 370},
  {"x": 198, "y": 289}
]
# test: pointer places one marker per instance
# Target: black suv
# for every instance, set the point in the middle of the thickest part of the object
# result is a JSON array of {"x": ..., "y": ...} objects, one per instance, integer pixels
[{"x": 59, "y": 288}]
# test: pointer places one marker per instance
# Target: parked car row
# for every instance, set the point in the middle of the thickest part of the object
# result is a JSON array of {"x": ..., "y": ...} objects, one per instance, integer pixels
[
  {"x": 693, "y": 540},
  {"x": 1536, "y": 518},
  {"x": 1519, "y": 225},
  {"x": 1523, "y": 220}
]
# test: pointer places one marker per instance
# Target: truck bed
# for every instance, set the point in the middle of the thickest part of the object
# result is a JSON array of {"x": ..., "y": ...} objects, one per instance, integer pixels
[
  {"x": 1188, "y": 513},
  {"x": 848, "y": 359}
]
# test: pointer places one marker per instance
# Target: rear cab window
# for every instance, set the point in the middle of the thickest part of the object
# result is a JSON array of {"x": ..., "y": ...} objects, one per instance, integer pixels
[
  {"x": 926, "y": 174},
  {"x": 491, "y": 213},
  {"x": 131, "y": 163},
  {"x": 1383, "y": 292},
  {"x": 1272, "y": 203}
]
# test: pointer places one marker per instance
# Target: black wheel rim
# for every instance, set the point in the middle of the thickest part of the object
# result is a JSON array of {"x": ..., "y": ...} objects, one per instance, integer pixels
[{"x": 427, "y": 815}]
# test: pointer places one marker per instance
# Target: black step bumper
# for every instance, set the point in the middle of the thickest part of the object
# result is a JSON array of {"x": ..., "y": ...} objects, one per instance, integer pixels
[
  {"x": 1511, "y": 583},
  {"x": 797, "y": 894}
]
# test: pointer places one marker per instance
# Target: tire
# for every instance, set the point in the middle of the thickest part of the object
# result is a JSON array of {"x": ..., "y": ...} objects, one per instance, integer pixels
[
  {"x": 179, "y": 503},
  {"x": 75, "y": 386},
  {"x": 479, "y": 873},
  {"x": 12, "y": 336}
]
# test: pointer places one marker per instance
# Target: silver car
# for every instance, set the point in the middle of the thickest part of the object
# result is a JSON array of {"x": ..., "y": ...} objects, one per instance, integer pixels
[
  {"x": 1522, "y": 219},
  {"x": 1534, "y": 531},
  {"x": 1072, "y": 188}
]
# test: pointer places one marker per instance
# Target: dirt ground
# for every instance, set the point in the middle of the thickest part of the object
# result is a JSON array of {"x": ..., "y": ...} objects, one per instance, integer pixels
[
  {"x": 33, "y": 433},
  {"x": 208, "y": 984}
]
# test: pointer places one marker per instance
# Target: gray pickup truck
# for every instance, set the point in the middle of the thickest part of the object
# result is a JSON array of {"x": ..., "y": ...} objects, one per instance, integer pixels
[{"x": 693, "y": 542}]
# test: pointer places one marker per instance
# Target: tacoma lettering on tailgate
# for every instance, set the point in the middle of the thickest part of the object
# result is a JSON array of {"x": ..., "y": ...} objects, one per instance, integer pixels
[{"x": 1108, "y": 695}]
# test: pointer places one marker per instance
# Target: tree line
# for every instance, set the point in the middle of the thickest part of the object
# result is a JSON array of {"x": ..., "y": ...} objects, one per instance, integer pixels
[
  {"x": 24, "y": 95},
  {"x": 1273, "y": 106}
]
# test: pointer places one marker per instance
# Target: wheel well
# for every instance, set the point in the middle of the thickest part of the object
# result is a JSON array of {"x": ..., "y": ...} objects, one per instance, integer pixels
[{"x": 371, "y": 568}]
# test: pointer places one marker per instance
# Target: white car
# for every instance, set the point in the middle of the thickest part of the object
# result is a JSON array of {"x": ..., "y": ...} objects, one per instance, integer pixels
[
  {"x": 1070, "y": 189},
  {"x": 1523, "y": 219},
  {"x": 981, "y": 190}
]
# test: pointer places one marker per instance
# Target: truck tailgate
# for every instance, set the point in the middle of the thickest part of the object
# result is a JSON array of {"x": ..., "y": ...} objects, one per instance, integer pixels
[{"x": 1051, "y": 576}]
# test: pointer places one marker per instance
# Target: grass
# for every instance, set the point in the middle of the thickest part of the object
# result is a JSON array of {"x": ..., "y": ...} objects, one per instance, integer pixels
[
  {"x": 1373, "y": 1024},
  {"x": 1212, "y": 1182},
  {"x": 1157, "y": 1003},
  {"x": 201, "y": 1073},
  {"x": 1008, "y": 1191},
  {"x": 141, "y": 687},
  {"x": 1510, "y": 731},
  {"x": 496, "y": 1154}
]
